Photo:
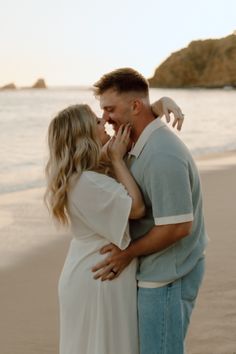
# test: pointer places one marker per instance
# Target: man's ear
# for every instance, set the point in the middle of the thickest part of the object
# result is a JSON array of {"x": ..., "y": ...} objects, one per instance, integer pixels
[{"x": 137, "y": 106}]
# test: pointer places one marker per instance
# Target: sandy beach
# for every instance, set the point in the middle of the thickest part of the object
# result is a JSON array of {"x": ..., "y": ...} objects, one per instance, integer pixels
[{"x": 28, "y": 292}]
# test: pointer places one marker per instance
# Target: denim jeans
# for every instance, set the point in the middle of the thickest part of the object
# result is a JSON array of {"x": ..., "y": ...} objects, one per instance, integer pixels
[{"x": 164, "y": 313}]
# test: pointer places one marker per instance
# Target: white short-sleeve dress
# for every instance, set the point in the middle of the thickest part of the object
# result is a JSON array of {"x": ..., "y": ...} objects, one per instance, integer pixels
[{"x": 97, "y": 317}]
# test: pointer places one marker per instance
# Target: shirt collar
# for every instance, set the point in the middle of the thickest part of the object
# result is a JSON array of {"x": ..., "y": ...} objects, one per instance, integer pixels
[{"x": 143, "y": 138}]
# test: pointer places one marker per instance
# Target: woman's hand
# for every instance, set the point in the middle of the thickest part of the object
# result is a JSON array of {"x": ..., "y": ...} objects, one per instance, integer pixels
[
  {"x": 118, "y": 145},
  {"x": 117, "y": 149},
  {"x": 104, "y": 152},
  {"x": 165, "y": 106}
]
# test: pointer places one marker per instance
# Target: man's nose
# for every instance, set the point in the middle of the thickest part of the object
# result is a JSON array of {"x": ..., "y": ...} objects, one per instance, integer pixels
[{"x": 105, "y": 117}]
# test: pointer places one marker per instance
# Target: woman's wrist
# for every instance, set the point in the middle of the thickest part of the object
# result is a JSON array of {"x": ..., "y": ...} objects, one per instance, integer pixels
[
  {"x": 117, "y": 162},
  {"x": 157, "y": 108}
]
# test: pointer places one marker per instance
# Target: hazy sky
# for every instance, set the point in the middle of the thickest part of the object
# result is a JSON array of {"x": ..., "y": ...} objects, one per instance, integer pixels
[{"x": 73, "y": 42}]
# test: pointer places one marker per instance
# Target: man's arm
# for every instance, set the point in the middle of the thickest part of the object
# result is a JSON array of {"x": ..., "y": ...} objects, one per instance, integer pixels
[
  {"x": 156, "y": 240},
  {"x": 159, "y": 238}
]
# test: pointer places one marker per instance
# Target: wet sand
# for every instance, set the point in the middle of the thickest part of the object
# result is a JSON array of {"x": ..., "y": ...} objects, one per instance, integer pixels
[{"x": 28, "y": 291}]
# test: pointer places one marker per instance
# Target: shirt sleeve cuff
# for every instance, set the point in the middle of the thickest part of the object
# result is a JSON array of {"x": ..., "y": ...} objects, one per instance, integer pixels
[{"x": 175, "y": 219}]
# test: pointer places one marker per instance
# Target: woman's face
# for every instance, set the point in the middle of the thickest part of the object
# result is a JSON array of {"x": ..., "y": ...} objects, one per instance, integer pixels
[{"x": 102, "y": 134}]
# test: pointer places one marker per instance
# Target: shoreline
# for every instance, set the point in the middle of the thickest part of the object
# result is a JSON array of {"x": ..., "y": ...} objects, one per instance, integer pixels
[
  {"x": 28, "y": 291},
  {"x": 11, "y": 221},
  {"x": 222, "y": 159},
  {"x": 216, "y": 161}
]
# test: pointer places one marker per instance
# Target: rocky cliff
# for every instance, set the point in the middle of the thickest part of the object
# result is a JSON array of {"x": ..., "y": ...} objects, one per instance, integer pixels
[
  {"x": 10, "y": 86},
  {"x": 40, "y": 84},
  {"x": 207, "y": 63}
]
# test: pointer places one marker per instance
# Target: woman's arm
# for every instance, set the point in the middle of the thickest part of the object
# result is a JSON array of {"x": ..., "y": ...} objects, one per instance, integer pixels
[
  {"x": 117, "y": 149},
  {"x": 165, "y": 106}
]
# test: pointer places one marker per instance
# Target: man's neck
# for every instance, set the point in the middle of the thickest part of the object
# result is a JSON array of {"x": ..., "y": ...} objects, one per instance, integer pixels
[{"x": 139, "y": 126}]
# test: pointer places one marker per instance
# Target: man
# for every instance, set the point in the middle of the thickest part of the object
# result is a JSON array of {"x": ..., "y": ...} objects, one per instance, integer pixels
[{"x": 170, "y": 239}]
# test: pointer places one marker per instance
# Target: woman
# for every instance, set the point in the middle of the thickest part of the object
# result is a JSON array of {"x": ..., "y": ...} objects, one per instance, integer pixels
[{"x": 95, "y": 317}]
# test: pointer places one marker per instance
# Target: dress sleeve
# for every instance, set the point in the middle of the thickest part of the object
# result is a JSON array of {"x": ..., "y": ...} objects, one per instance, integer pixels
[{"x": 104, "y": 205}]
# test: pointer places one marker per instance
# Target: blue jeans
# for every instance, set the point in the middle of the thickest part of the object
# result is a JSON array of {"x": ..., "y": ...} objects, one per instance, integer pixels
[{"x": 164, "y": 313}]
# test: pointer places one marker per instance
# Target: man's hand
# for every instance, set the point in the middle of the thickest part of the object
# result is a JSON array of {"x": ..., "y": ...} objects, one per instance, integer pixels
[
  {"x": 111, "y": 267},
  {"x": 165, "y": 106}
]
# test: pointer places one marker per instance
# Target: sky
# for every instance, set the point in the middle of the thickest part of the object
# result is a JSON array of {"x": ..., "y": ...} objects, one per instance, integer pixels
[{"x": 74, "y": 42}]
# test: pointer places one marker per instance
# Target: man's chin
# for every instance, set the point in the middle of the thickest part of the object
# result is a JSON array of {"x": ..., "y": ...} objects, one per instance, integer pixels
[{"x": 115, "y": 127}]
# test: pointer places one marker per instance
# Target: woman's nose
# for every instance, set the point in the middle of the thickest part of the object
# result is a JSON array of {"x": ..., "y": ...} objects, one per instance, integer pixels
[{"x": 103, "y": 121}]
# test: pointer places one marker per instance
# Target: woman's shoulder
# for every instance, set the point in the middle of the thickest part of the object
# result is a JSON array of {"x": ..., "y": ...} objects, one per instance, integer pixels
[
  {"x": 97, "y": 178},
  {"x": 93, "y": 187},
  {"x": 96, "y": 181}
]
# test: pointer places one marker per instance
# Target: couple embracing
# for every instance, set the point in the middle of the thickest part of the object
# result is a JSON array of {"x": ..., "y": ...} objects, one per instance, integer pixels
[{"x": 134, "y": 205}]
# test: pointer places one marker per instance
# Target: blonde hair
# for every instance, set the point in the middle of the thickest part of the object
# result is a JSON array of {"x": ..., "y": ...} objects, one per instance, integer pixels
[
  {"x": 73, "y": 148},
  {"x": 123, "y": 80}
]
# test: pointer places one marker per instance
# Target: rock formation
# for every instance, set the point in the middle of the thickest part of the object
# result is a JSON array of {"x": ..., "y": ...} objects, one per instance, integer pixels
[
  {"x": 40, "y": 84},
  {"x": 10, "y": 86},
  {"x": 207, "y": 63}
]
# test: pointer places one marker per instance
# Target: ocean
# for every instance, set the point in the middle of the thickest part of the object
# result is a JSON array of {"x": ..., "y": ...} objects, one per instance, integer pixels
[{"x": 209, "y": 127}]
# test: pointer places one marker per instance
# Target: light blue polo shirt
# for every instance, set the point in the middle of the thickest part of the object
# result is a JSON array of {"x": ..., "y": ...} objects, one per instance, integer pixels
[{"x": 168, "y": 178}]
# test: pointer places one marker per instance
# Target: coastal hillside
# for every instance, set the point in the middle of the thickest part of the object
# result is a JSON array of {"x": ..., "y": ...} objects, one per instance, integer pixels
[{"x": 207, "y": 63}]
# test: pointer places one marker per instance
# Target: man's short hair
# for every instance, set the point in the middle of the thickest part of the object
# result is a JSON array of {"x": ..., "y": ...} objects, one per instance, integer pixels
[{"x": 122, "y": 81}]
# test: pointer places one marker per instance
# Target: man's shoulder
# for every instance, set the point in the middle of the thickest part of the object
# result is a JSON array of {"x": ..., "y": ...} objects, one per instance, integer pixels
[{"x": 164, "y": 142}]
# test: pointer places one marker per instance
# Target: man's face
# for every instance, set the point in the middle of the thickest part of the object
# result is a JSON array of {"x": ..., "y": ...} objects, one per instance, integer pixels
[{"x": 116, "y": 108}]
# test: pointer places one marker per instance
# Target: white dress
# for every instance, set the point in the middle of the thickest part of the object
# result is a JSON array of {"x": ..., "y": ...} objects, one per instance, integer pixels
[{"x": 97, "y": 317}]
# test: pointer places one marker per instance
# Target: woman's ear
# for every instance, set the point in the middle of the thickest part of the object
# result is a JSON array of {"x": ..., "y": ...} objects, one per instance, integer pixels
[{"x": 137, "y": 106}]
